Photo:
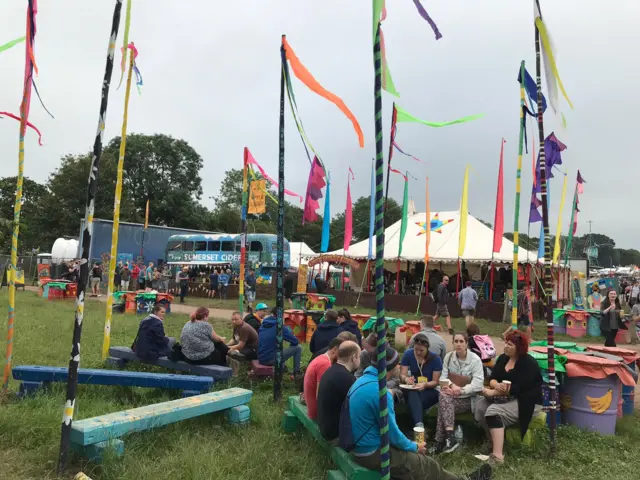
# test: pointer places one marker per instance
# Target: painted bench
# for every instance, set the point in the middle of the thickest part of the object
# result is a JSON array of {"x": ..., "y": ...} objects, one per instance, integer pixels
[
  {"x": 119, "y": 356},
  {"x": 94, "y": 437},
  {"x": 297, "y": 415},
  {"x": 34, "y": 377}
]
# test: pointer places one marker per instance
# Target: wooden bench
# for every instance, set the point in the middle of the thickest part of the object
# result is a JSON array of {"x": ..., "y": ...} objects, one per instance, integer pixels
[
  {"x": 119, "y": 356},
  {"x": 349, "y": 470},
  {"x": 96, "y": 437},
  {"x": 34, "y": 377}
]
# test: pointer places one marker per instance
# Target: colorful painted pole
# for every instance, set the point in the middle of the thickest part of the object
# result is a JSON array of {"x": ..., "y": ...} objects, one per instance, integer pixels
[
  {"x": 87, "y": 234},
  {"x": 547, "y": 250},
  {"x": 116, "y": 213},
  {"x": 427, "y": 233},
  {"x": 516, "y": 216},
  {"x": 32, "y": 9},
  {"x": 277, "y": 378},
  {"x": 243, "y": 229},
  {"x": 385, "y": 458}
]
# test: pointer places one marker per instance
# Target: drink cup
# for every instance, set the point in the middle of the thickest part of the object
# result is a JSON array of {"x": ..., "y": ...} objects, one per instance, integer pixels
[
  {"x": 418, "y": 434},
  {"x": 445, "y": 383},
  {"x": 507, "y": 384}
]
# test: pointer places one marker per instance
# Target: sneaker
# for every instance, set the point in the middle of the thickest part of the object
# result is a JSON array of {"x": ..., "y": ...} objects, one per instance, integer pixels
[
  {"x": 483, "y": 473},
  {"x": 436, "y": 448},
  {"x": 493, "y": 460},
  {"x": 486, "y": 448},
  {"x": 450, "y": 445}
]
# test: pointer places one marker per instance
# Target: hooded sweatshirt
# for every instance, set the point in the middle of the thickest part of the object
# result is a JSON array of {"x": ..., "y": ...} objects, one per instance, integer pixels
[
  {"x": 321, "y": 338},
  {"x": 352, "y": 327},
  {"x": 151, "y": 342},
  {"x": 267, "y": 339}
]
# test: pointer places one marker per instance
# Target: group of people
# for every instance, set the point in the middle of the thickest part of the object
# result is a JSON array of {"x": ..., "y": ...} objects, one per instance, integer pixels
[{"x": 132, "y": 278}]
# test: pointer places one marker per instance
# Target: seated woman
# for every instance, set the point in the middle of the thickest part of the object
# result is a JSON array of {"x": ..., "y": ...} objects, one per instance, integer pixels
[
  {"x": 422, "y": 368},
  {"x": 200, "y": 344},
  {"x": 151, "y": 343},
  {"x": 463, "y": 369},
  {"x": 515, "y": 388},
  {"x": 349, "y": 325}
]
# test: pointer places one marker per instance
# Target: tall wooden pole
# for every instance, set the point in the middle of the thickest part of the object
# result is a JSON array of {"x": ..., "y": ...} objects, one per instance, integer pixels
[
  {"x": 385, "y": 458},
  {"x": 548, "y": 285},
  {"x": 87, "y": 234},
  {"x": 392, "y": 137}
]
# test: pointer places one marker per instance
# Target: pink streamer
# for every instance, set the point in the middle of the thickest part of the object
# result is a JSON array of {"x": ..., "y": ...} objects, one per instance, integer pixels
[
  {"x": 252, "y": 160},
  {"x": 28, "y": 124}
]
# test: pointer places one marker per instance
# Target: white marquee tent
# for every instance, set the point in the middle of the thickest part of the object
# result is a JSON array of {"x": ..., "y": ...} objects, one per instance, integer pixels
[
  {"x": 443, "y": 246},
  {"x": 300, "y": 253}
]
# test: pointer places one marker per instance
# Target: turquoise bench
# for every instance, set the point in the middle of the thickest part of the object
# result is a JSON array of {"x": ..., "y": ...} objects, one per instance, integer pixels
[
  {"x": 297, "y": 415},
  {"x": 94, "y": 437},
  {"x": 35, "y": 377}
]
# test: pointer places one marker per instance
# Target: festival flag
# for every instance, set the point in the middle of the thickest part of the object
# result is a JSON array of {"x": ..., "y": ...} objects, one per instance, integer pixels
[
  {"x": 348, "y": 220},
  {"x": 464, "y": 214},
  {"x": 405, "y": 215},
  {"x": 257, "y": 197},
  {"x": 498, "y": 219},
  {"x": 573, "y": 224},
  {"x": 314, "y": 191},
  {"x": 12, "y": 43},
  {"x": 423, "y": 13},
  {"x": 372, "y": 208},
  {"x": 532, "y": 92},
  {"x": 326, "y": 220},
  {"x": 553, "y": 149},
  {"x": 146, "y": 215},
  {"x": 556, "y": 247},
  {"x": 404, "y": 116}
]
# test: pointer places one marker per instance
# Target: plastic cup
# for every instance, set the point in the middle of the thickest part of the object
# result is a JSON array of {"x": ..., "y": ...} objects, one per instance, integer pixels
[
  {"x": 418, "y": 434},
  {"x": 445, "y": 383},
  {"x": 507, "y": 384}
]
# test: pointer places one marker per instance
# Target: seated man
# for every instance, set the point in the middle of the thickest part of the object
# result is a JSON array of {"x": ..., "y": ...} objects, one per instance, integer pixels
[
  {"x": 408, "y": 460},
  {"x": 333, "y": 389},
  {"x": 244, "y": 343},
  {"x": 267, "y": 344},
  {"x": 314, "y": 373},
  {"x": 255, "y": 319},
  {"x": 326, "y": 331},
  {"x": 436, "y": 342},
  {"x": 151, "y": 343}
]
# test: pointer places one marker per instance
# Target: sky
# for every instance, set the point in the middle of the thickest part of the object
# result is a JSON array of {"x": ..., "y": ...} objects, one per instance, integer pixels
[{"x": 211, "y": 76}]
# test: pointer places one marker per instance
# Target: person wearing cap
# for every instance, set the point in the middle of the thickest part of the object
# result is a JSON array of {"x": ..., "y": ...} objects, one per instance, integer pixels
[
  {"x": 325, "y": 332},
  {"x": 408, "y": 459},
  {"x": 468, "y": 299},
  {"x": 255, "y": 318},
  {"x": 267, "y": 344},
  {"x": 421, "y": 368}
]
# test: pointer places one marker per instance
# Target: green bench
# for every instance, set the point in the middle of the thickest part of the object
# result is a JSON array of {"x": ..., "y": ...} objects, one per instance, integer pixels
[{"x": 296, "y": 415}]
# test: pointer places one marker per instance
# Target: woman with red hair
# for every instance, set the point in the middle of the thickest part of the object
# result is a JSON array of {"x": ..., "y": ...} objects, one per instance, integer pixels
[
  {"x": 200, "y": 344},
  {"x": 515, "y": 388}
]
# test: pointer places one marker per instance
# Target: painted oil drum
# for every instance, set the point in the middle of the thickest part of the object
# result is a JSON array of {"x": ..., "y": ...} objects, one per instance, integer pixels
[
  {"x": 593, "y": 325},
  {"x": 623, "y": 337},
  {"x": 296, "y": 321},
  {"x": 628, "y": 395},
  {"x": 559, "y": 321},
  {"x": 592, "y": 404},
  {"x": 576, "y": 328}
]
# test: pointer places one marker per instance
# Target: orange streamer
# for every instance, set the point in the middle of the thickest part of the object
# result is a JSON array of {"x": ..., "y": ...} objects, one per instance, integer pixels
[{"x": 305, "y": 77}]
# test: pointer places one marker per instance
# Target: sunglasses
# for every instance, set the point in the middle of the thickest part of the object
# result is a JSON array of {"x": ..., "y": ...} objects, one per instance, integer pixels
[{"x": 420, "y": 341}]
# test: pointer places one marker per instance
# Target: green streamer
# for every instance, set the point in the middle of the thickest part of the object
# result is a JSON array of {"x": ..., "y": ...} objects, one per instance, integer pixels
[
  {"x": 12, "y": 43},
  {"x": 404, "y": 116}
]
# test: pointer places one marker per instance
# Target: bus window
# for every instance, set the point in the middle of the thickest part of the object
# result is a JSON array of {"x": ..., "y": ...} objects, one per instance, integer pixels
[
  {"x": 174, "y": 245},
  {"x": 187, "y": 246},
  {"x": 228, "y": 246},
  {"x": 214, "y": 246},
  {"x": 255, "y": 246},
  {"x": 238, "y": 246},
  {"x": 200, "y": 246}
]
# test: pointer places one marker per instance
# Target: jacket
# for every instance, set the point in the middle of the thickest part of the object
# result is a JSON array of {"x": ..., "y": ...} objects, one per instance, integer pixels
[
  {"x": 151, "y": 342},
  {"x": 471, "y": 367},
  {"x": 526, "y": 385},
  {"x": 442, "y": 294},
  {"x": 352, "y": 327},
  {"x": 267, "y": 339},
  {"x": 321, "y": 338},
  {"x": 364, "y": 408}
]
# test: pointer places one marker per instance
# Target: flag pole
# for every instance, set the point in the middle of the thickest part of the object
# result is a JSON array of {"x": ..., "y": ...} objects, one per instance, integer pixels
[
  {"x": 243, "y": 230},
  {"x": 427, "y": 232},
  {"x": 516, "y": 216},
  {"x": 392, "y": 137}
]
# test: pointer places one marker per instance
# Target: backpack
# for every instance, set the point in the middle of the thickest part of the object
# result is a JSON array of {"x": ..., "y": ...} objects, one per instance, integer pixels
[
  {"x": 485, "y": 347},
  {"x": 345, "y": 432}
]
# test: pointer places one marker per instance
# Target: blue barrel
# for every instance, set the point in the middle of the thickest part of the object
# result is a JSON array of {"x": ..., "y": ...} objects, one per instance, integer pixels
[
  {"x": 628, "y": 395},
  {"x": 593, "y": 325},
  {"x": 592, "y": 404}
]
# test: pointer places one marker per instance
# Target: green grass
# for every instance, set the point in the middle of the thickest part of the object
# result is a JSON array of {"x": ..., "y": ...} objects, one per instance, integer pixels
[{"x": 206, "y": 447}]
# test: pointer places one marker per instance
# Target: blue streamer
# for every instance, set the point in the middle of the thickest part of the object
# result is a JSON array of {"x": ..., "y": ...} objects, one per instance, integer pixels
[{"x": 326, "y": 221}]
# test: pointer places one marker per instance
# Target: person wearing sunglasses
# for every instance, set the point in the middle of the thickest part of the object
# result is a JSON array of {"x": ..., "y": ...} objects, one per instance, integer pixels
[{"x": 420, "y": 368}]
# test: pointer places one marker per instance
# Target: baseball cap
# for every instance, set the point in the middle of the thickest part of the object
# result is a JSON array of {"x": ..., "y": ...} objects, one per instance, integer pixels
[{"x": 262, "y": 306}]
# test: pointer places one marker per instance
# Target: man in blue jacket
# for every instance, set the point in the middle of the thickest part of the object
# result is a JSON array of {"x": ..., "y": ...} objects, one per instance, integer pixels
[
  {"x": 326, "y": 331},
  {"x": 408, "y": 459},
  {"x": 267, "y": 344},
  {"x": 151, "y": 343}
]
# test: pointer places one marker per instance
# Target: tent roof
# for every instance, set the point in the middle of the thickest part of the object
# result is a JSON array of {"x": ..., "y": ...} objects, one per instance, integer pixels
[
  {"x": 443, "y": 246},
  {"x": 300, "y": 251}
]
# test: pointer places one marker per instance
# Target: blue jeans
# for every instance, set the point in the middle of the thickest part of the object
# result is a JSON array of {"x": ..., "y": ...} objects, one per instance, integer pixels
[
  {"x": 419, "y": 401},
  {"x": 287, "y": 353}
]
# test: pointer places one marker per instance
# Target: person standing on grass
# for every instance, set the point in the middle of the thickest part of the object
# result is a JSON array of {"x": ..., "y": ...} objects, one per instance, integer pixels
[
  {"x": 200, "y": 344},
  {"x": 290, "y": 286},
  {"x": 250, "y": 288},
  {"x": 255, "y": 319},
  {"x": 151, "y": 342},
  {"x": 333, "y": 388},
  {"x": 468, "y": 300},
  {"x": 223, "y": 283},
  {"x": 465, "y": 373},
  {"x": 314, "y": 373},
  {"x": 408, "y": 459},
  {"x": 441, "y": 298},
  {"x": 164, "y": 278},
  {"x": 610, "y": 320},
  {"x": 321, "y": 285},
  {"x": 213, "y": 283},
  {"x": 135, "y": 274},
  {"x": 267, "y": 344},
  {"x": 117, "y": 277},
  {"x": 183, "y": 282},
  {"x": 244, "y": 343},
  {"x": 635, "y": 292},
  {"x": 125, "y": 277},
  {"x": 96, "y": 276},
  {"x": 325, "y": 332},
  {"x": 437, "y": 344},
  {"x": 148, "y": 277},
  {"x": 348, "y": 324}
]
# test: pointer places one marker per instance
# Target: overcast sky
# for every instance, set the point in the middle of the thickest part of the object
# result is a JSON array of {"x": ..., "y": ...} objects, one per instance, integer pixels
[{"x": 211, "y": 74}]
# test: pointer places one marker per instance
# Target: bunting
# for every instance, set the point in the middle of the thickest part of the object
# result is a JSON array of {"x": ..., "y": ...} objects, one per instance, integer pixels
[
  {"x": 498, "y": 222},
  {"x": 464, "y": 214},
  {"x": 314, "y": 191},
  {"x": 348, "y": 220}
]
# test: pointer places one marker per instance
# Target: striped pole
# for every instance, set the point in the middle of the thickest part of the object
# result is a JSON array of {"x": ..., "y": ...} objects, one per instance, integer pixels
[
  {"x": 116, "y": 215},
  {"x": 86, "y": 237},
  {"x": 385, "y": 459},
  {"x": 547, "y": 253},
  {"x": 516, "y": 217},
  {"x": 17, "y": 207}
]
